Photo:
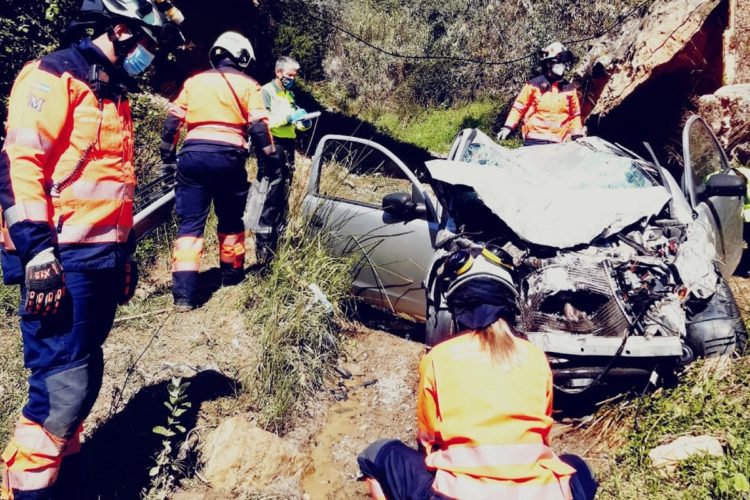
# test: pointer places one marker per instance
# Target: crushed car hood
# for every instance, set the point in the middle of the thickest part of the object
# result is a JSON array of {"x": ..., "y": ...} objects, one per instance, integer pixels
[{"x": 556, "y": 195}]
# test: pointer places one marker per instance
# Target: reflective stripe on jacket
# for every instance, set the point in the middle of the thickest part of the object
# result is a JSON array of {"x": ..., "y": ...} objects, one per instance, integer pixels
[
  {"x": 58, "y": 129},
  {"x": 550, "y": 111},
  {"x": 280, "y": 104},
  {"x": 486, "y": 428},
  {"x": 217, "y": 106}
]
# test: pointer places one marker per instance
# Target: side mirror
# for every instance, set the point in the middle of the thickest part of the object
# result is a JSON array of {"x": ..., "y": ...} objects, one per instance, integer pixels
[
  {"x": 401, "y": 205},
  {"x": 725, "y": 185}
]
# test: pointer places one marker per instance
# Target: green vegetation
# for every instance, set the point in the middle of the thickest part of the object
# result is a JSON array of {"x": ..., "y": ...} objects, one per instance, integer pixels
[
  {"x": 12, "y": 372},
  {"x": 435, "y": 129},
  {"x": 166, "y": 466},
  {"x": 9, "y": 297},
  {"x": 298, "y": 331},
  {"x": 712, "y": 398},
  {"x": 28, "y": 29},
  {"x": 149, "y": 113},
  {"x": 12, "y": 379},
  {"x": 488, "y": 31}
]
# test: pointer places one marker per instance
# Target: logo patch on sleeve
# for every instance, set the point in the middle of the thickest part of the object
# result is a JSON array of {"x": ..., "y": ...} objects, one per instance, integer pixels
[{"x": 35, "y": 103}]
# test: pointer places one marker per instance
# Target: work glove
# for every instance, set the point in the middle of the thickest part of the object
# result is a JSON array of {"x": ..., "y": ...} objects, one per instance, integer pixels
[
  {"x": 297, "y": 115},
  {"x": 130, "y": 281},
  {"x": 45, "y": 286},
  {"x": 503, "y": 134}
]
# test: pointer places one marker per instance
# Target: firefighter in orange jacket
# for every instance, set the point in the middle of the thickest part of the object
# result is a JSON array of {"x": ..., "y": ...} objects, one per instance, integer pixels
[
  {"x": 484, "y": 407},
  {"x": 66, "y": 191},
  {"x": 220, "y": 107},
  {"x": 548, "y": 105}
]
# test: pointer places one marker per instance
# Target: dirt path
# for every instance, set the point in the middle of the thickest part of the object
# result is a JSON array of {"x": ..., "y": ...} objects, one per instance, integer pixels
[{"x": 381, "y": 403}]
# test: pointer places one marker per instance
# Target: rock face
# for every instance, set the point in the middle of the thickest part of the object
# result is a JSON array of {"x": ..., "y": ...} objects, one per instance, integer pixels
[
  {"x": 619, "y": 64},
  {"x": 737, "y": 43},
  {"x": 667, "y": 457},
  {"x": 641, "y": 81},
  {"x": 244, "y": 459},
  {"x": 727, "y": 111}
]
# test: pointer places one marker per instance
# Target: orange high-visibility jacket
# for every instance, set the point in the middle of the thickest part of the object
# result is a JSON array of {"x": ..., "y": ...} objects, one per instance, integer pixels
[
  {"x": 217, "y": 105},
  {"x": 61, "y": 135},
  {"x": 486, "y": 428},
  {"x": 550, "y": 111}
]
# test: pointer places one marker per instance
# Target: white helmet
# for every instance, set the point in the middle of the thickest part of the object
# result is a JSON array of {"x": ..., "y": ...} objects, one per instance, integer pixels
[
  {"x": 236, "y": 45},
  {"x": 557, "y": 51}
]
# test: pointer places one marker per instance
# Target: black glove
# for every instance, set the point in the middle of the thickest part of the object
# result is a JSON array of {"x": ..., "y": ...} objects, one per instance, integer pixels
[
  {"x": 130, "y": 281},
  {"x": 45, "y": 286}
]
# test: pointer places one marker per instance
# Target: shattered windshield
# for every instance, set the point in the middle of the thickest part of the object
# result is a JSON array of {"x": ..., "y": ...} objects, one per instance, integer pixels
[
  {"x": 557, "y": 195},
  {"x": 567, "y": 166}
]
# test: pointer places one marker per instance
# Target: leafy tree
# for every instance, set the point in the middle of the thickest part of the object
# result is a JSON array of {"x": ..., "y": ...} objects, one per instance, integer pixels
[{"x": 28, "y": 29}]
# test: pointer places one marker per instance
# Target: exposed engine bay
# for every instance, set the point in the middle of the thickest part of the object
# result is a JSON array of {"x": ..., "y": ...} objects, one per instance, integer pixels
[{"x": 608, "y": 263}]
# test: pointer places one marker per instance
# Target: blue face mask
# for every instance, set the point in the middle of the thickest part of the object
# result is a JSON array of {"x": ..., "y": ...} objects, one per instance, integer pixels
[
  {"x": 288, "y": 83},
  {"x": 138, "y": 61}
]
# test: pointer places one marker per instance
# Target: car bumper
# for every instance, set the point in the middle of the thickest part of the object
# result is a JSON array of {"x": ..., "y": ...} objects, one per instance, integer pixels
[{"x": 567, "y": 345}]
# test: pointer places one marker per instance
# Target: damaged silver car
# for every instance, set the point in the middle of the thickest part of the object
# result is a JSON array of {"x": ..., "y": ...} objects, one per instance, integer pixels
[{"x": 619, "y": 268}]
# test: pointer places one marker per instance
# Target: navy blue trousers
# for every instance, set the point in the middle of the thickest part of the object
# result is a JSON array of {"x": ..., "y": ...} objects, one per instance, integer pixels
[
  {"x": 64, "y": 351},
  {"x": 204, "y": 177},
  {"x": 402, "y": 473}
]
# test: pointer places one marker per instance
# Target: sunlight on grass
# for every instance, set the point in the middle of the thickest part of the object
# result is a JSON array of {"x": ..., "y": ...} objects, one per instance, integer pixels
[{"x": 435, "y": 129}]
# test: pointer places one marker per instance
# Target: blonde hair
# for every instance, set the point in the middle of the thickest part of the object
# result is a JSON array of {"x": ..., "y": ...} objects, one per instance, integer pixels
[{"x": 500, "y": 341}]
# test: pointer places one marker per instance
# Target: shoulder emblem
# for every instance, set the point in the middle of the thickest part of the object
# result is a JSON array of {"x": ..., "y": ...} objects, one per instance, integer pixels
[{"x": 35, "y": 103}]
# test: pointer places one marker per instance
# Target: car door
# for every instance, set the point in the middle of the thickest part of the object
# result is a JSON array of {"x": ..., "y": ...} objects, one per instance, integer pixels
[
  {"x": 349, "y": 179},
  {"x": 706, "y": 165}
]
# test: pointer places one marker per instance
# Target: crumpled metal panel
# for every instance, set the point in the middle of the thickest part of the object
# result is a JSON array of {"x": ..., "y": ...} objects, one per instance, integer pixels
[
  {"x": 560, "y": 195},
  {"x": 695, "y": 261}
]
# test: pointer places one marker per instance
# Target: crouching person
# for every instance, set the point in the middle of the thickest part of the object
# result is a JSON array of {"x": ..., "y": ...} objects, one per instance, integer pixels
[{"x": 484, "y": 412}]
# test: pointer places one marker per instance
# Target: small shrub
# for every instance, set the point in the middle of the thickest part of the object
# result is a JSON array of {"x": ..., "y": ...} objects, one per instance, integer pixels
[{"x": 166, "y": 467}]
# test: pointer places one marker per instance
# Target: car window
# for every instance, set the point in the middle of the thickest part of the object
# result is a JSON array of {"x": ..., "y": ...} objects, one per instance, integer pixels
[
  {"x": 705, "y": 157},
  {"x": 359, "y": 173}
]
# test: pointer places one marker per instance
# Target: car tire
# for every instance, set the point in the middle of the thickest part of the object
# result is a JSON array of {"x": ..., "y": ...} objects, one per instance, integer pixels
[
  {"x": 438, "y": 325},
  {"x": 718, "y": 327}
]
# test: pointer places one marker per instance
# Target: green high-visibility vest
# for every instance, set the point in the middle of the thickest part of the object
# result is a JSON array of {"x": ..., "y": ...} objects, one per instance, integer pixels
[{"x": 280, "y": 105}]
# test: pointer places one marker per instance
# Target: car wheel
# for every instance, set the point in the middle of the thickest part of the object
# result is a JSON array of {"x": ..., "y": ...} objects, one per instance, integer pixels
[
  {"x": 717, "y": 328},
  {"x": 438, "y": 326}
]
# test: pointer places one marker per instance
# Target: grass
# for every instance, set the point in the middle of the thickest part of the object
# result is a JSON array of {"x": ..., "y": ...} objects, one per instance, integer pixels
[
  {"x": 435, "y": 129},
  {"x": 9, "y": 297},
  {"x": 12, "y": 372},
  {"x": 712, "y": 398},
  {"x": 299, "y": 335},
  {"x": 12, "y": 380}
]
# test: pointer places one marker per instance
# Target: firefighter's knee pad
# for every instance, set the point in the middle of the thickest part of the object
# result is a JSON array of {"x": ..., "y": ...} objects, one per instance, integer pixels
[{"x": 70, "y": 394}]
